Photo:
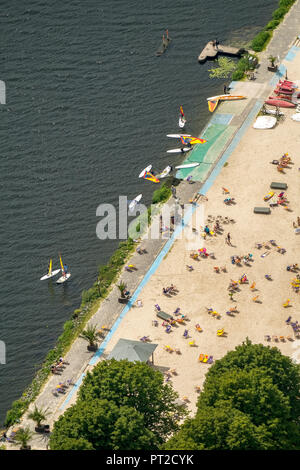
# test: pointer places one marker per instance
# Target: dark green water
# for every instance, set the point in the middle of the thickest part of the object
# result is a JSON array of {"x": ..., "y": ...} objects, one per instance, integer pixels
[{"x": 88, "y": 107}]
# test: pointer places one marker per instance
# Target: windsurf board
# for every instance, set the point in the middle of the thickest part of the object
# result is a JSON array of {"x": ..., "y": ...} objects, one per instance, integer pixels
[
  {"x": 185, "y": 149},
  {"x": 148, "y": 168},
  {"x": 186, "y": 165}
]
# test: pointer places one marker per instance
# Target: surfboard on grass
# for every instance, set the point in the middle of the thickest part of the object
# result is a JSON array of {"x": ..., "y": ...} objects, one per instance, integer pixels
[{"x": 186, "y": 165}]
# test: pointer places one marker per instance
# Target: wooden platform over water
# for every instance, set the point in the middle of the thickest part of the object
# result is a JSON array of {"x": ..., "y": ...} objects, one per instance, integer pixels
[
  {"x": 211, "y": 51},
  {"x": 164, "y": 46}
]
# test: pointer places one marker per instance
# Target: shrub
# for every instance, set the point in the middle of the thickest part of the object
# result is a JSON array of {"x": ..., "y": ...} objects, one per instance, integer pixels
[
  {"x": 272, "y": 25},
  {"x": 14, "y": 414},
  {"x": 279, "y": 13},
  {"x": 161, "y": 195},
  {"x": 260, "y": 41}
]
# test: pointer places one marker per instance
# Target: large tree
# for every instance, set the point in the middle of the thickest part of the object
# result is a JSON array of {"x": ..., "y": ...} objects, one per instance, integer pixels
[
  {"x": 249, "y": 401},
  {"x": 101, "y": 424},
  {"x": 121, "y": 405},
  {"x": 138, "y": 386}
]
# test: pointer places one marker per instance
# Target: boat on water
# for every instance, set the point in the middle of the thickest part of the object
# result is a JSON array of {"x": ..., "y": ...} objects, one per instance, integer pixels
[
  {"x": 213, "y": 101},
  {"x": 65, "y": 275},
  {"x": 182, "y": 119},
  {"x": 145, "y": 170},
  {"x": 281, "y": 103},
  {"x": 150, "y": 177},
  {"x": 192, "y": 140},
  {"x": 165, "y": 172},
  {"x": 50, "y": 272}
]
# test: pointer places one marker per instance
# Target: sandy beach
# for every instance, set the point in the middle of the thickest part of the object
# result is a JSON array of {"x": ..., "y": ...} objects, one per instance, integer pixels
[{"x": 247, "y": 176}]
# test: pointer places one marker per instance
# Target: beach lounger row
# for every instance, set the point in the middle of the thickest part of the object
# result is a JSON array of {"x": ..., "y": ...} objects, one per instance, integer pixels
[{"x": 205, "y": 358}]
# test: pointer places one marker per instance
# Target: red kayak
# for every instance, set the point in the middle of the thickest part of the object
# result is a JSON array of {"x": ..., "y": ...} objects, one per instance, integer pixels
[
  {"x": 287, "y": 83},
  {"x": 284, "y": 91},
  {"x": 275, "y": 101}
]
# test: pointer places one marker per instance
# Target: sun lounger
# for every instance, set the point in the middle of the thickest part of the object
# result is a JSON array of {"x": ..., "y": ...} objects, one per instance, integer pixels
[
  {"x": 275, "y": 185},
  {"x": 262, "y": 210},
  {"x": 201, "y": 357},
  {"x": 210, "y": 360},
  {"x": 205, "y": 358}
]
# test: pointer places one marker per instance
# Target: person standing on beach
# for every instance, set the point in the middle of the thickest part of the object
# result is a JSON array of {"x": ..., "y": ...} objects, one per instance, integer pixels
[{"x": 228, "y": 239}]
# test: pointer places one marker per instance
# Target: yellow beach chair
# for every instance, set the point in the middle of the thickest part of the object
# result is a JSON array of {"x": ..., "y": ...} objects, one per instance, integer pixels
[
  {"x": 205, "y": 358},
  {"x": 192, "y": 343},
  {"x": 220, "y": 332},
  {"x": 286, "y": 303}
]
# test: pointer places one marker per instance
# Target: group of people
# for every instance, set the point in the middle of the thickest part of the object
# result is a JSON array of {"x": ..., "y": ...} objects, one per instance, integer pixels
[
  {"x": 169, "y": 290},
  {"x": 55, "y": 368}
]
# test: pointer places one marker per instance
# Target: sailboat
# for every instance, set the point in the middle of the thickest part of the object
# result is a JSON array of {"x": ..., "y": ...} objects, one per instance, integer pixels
[
  {"x": 65, "y": 276},
  {"x": 182, "y": 119},
  {"x": 50, "y": 272}
]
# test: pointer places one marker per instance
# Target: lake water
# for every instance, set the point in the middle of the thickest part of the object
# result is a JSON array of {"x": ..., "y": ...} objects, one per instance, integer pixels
[{"x": 88, "y": 106}]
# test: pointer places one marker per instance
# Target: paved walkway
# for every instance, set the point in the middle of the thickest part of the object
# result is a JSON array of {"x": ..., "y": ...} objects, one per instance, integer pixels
[{"x": 110, "y": 311}]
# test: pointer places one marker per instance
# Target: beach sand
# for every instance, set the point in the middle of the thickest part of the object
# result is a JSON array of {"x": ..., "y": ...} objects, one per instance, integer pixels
[{"x": 248, "y": 176}]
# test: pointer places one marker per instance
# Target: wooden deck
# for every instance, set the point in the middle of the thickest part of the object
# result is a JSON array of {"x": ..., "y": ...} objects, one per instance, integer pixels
[
  {"x": 164, "y": 46},
  {"x": 211, "y": 51}
]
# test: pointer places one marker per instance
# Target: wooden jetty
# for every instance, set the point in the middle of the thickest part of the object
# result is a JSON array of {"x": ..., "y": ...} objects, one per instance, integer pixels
[
  {"x": 211, "y": 51},
  {"x": 164, "y": 45}
]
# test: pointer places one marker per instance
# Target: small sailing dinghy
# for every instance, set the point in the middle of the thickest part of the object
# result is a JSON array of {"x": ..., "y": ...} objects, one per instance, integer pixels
[
  {"x": 164, "y": 173},
  {"x": 182, "y": 119},
  {"x": 50, "y": 272},
  {"x": 145, "y": 170},
  {"x": 65, "y": 275}
]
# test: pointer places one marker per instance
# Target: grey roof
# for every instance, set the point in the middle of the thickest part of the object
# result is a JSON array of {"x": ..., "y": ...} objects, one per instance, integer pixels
[{"x": 132, "y": 350}]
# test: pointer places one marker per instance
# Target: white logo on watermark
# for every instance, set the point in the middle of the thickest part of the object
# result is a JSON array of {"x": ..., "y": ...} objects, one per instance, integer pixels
[
  {"x": 296, "y": 355},
  {"x": 2, "y": 353},
  {"x": 2, "y": 92},
  {"x": 164, "y": 221}
]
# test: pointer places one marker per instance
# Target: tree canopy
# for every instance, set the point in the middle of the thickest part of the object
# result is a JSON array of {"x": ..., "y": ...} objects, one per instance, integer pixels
[
  {"x": 249, "y": 401},
  {"x": 224, "y": 69},
  {"x": 121, "y": 406}
]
